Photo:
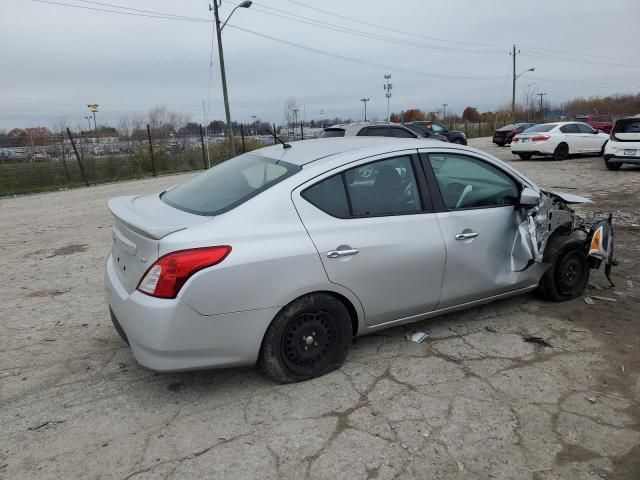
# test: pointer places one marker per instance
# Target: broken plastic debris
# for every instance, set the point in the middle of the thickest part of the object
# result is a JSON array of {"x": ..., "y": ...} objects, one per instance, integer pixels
[
  {"x": 418, "y": 337},
  {"x": 629, "y": 284},
  {"x": 606, "y": 299},
  {"x": 589, "y": 301}
]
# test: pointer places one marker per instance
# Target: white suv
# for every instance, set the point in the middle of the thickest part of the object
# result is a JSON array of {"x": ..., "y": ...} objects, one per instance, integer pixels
[
  {"x": 379, "y": 129},
  {"x": 624, "y": 143}
]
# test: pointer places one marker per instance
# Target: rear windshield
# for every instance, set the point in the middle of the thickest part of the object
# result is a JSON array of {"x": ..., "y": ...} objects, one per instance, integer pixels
[
  {"x": 417, "y": 129},
  {"x": 547, "y": 127},
  {"x": 628, "y": 126},
  {"x": 228, "y": 184},
  {"x": 332, "y": 132}
]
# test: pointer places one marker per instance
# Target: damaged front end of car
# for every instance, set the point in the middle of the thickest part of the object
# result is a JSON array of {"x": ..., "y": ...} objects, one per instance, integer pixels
[{"x": 545, "y": 217}]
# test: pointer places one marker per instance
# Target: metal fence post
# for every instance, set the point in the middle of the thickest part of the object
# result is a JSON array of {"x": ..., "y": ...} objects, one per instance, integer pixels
[
  {"x": 244, "y": 149},
  {"x": 204, "y": 156},
  {"x": 73, "y": 144},
  {"x": 479, "y": 131},
  {"x": 275, "y": 137},
  {"x": 466, "y": 128},
  {"x": 153, "y": 160},
  {"x": 301, "y": 132}
]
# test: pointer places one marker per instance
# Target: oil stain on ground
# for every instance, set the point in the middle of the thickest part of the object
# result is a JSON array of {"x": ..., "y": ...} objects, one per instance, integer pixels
[{"x": 69, "y": 250}]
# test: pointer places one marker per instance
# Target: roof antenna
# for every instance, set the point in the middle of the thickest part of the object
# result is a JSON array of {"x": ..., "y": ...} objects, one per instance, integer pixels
[{"x": 284, "y": 145}]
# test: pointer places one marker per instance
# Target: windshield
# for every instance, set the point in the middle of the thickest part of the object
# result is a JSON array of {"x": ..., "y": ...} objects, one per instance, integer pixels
[
  {"x": 228, "y": 184},
  {"x": 332, "y": 132},
  {"x": 547, "y": 127}
]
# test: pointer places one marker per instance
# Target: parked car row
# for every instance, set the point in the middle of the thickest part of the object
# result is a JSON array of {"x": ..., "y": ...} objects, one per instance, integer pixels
[{"x": 418, "y": 129}]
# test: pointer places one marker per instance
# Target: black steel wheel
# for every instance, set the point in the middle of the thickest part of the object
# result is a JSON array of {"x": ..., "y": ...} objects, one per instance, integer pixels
[
  {"x": 308, "y": 338},
  {"x": 568, "y": 275},
  {"x": 612, "y": 166},
  {"x": 561, "y": 152}
]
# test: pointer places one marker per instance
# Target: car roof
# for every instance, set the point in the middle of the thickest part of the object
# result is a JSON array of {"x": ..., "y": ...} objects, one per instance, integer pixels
[{"x": 306, "y": 151}]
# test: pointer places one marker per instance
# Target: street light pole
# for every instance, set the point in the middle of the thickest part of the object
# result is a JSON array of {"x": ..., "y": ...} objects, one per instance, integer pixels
[
  {"x": 88, "y": 119},
  {"x": 246, "y": 4},
  {"x": 541, "y": 95},
  {"x": 365, "y": 100},
  {"x": 514, "y": 53},
  {"x": 444, "y": 110}
]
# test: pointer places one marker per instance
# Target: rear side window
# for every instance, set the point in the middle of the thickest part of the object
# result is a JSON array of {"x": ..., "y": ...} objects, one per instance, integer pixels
[
  {"x": 332, "y": 132},
  {"x": 378, "y": 132},
  {"x": 402, "y": 133},
  {"x": 584, "y": 128},
  {"x": 384, "y": 187},
  {"x": 228, "y": 184},
  {"x": 571, "y": 128}
]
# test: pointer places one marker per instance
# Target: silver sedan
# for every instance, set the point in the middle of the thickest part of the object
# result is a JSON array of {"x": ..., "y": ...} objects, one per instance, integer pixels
[{"x": 282, "y": 255}]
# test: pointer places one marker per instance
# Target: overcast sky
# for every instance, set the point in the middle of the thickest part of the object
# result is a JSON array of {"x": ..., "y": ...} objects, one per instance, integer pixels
[{"x": 56, "y": 59}]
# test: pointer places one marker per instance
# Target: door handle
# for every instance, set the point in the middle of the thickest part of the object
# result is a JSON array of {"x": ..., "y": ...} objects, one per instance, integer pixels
[
  {"x": 466, "y": 236},
  {"x": 342, "y": 253}
]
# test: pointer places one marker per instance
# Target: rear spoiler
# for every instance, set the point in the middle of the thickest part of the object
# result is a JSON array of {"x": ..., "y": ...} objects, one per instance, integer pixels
[{"x": 122, "y": 209}]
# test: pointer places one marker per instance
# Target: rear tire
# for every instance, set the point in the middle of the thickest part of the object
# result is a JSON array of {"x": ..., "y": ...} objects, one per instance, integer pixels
[
  {"x": 561, "y": 152},
  {"x": 568, "y": 275},
  {"x": 308, "y": 338},
  {"x": 612, "y": 166},
  {"x": 525, "y": 156}
]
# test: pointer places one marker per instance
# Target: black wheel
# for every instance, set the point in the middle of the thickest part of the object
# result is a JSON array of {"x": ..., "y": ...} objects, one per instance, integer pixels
[
  {"x": 612, "y": 166},
  {"x": 561, "y": 152},
  {"x": 459, "y": 141},
  {"x": 308, "y": 338},
  {"x": 569, "y": 272},
  {"x": 500, "y": 144},
  {"x": 525, "y": 156}
]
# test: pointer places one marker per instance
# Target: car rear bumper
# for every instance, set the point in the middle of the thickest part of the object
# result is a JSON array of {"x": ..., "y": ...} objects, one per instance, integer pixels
[
  {"x": 622, "y": 159},
  {"x": 169, "y": 335},
  {"x": 542, "y": 148}
]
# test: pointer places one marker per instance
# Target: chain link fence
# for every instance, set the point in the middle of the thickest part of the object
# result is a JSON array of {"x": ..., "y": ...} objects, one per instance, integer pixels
[{"x": 54, "y": 163}]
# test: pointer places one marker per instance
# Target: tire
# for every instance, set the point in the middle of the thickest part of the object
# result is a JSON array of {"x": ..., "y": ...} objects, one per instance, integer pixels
[
  {"x": 525, "y": 156},
  {"x": 459, "y": 141},
  {"x": 500, "y": 144},
  {"x": 612, "y": 166},
  {"x": 308, "y": 338},
  {"x": 568, "y": 275},
  {"x": 561, "y": 152}
]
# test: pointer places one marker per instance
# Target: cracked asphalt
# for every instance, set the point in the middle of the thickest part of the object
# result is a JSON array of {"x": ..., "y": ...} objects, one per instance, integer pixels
[{"x": 474, "y": 401}]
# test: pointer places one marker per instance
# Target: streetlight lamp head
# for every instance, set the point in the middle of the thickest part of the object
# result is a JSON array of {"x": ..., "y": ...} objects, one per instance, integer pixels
[{"x": 245, "y": 4}]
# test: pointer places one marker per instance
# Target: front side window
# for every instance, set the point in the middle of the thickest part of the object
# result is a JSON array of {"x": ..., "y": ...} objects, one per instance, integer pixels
[
  {"x": 332, "y": 132},
  {"x": 384, "y": 187},
  {"x": 584, "y": 128},
  {"x": 467, "y": 182},
  {"x": 228, "y": 184},
  {"x": 437, "y": 128}
]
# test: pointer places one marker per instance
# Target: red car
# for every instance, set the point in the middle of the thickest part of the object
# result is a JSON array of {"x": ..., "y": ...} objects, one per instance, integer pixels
[{"x": 604, "y": 123}]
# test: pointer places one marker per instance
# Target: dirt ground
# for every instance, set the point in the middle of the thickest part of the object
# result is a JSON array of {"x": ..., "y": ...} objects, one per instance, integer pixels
[{"x": 474, "y": 401}]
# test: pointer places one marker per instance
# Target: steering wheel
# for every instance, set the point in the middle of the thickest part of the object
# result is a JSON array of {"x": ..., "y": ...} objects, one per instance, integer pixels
[{"x": 463, "y": 195}]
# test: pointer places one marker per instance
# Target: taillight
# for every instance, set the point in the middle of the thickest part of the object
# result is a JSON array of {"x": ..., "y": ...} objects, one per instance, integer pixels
[
  {"x": 514, "y": 132},
  {"x": 541, "y": 138},
  {"x": 168, "y": 274},
  {"x": 515, "y": 140}
]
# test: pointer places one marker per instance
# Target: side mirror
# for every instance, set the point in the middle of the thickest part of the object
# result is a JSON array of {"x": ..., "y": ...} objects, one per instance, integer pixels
[
  {"x": 529, "y": 197},
  {"x": 596, "y": 131}
]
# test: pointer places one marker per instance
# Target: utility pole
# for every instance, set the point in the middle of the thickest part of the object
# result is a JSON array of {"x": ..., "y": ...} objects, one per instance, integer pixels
[
  {"x": 94, "y": 108},
  {"x": 444, "y": 110},
  {"x": 255, "y": 129},
  {"x": 365, "y": 100},
  {"x": 232, "y": 146},
  {"x": 295, "y": 121},
  {"x": 387, "y": 88},
  {"x": 541, "y": 111},
  {"x": 88, "y": 119},
  {"x": 513, "y": 90}
]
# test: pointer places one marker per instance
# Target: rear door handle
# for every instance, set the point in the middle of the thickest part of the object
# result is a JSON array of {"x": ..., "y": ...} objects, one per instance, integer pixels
[
  {"x": 342, "y": 253},
  {"x": 466, "y": 236}
]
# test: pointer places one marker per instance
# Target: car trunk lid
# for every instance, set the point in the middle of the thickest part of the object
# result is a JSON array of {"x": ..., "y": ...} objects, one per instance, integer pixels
[{"x": 140, "y": 222}]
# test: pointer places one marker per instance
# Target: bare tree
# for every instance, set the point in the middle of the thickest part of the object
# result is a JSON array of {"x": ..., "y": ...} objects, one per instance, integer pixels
[{"x": 290, "y": 106}]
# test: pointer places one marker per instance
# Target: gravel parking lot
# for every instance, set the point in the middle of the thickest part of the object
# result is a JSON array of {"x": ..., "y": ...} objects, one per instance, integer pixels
[{"x": 474, "y": 401}]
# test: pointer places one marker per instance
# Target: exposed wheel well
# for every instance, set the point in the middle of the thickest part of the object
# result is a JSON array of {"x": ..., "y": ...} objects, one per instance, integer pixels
[{"x": 353, "y": 314}]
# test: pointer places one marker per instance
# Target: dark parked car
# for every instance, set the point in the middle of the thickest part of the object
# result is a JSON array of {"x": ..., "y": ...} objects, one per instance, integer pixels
[
  {"x": 376, "y": 129},
  {"x": 604, "y": 123},
  {"x": 503, "y": 135},
  {"x": 453, "y": 136},
  {"x": 423, "y": 132}
]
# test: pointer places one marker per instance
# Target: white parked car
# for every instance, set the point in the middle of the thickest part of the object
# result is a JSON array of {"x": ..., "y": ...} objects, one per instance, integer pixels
[
  {"x": 558, "y": 140},
  {"x": 624, "y": 143}
]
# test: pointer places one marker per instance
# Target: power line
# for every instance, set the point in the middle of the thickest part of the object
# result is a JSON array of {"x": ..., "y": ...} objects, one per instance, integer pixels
[
  {"x": 360, "y": 33},
  {"x": 576, "y": 60},
  {"x": 391, "y": 29},
  {"x": 576, "y": 54},
  {"x": 363, "y": 62}
]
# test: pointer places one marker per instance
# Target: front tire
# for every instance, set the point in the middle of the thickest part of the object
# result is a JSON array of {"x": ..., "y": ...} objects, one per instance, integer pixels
[
  {"x": 568, "y": 275},
  {"x": 308, "y": 338},
  {"x": 459, "y": 141},
  {"x": 561, "y": 152},
  {"x": 525, "y": 156}
]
